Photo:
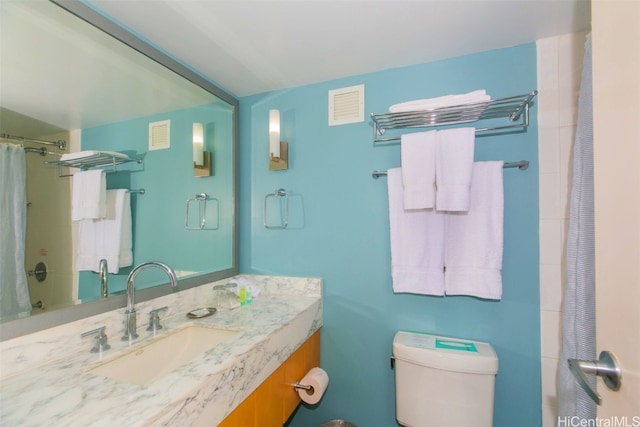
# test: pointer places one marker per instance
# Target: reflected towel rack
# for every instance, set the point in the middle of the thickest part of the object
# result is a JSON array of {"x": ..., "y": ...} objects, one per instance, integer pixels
[
  {"x": 41, "y": 151},
  {"x": 96, "y": 160},
  {"x": 140, "y": 191},
  {"x": 285, "y": 220},
  {"x": 202, "y": 208},
  {"x": 521, "y": 165},
  {"x": 515, "y": 109},
  {"x": 201, "y": 199}
]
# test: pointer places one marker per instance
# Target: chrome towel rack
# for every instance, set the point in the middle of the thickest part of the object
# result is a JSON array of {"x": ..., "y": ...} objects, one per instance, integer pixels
[
  {"x": 521, "y": 165},
  {"x": 95, "y": 160},
  {"x": 514, "y": 108},
  {"x": 285, "y": 219},
  {"x": 201, "y": 200}
]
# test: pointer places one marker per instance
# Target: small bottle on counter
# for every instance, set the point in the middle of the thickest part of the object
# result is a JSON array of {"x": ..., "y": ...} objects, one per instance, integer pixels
[{"x": 242, "y": 292}]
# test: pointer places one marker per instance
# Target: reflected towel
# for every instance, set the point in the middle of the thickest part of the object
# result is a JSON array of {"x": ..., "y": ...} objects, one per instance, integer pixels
[
  {"x": 454, "y": 166},
  {"x": 474, "y": 239},
  {"x": 88, "y": 197},
  {"x": 418, "y": 157},
  {"x": 441, "y": 101},
  {"x": 109, "y": 238},
  {"x": 417, "y": 244}
]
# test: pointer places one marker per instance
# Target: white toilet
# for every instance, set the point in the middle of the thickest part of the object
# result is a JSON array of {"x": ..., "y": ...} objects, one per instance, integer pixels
[{"x": 442, "y": 381}]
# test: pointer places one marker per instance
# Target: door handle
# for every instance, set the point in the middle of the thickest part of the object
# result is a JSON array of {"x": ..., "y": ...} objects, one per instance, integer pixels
[{"x": 606, "y": 367}]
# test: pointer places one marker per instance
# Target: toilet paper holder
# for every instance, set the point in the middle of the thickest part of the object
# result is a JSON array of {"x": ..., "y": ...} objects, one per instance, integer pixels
[{"x": 297, "y": 385}]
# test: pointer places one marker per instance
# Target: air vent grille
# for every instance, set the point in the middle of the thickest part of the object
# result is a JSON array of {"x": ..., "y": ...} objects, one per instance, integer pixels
[
  {"x": 159, "y": 135},
  {"x": 346, "y": 105}
]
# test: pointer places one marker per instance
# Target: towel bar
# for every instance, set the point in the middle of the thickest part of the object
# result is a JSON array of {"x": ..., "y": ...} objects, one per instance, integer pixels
[{"x": 521, "y": 165}]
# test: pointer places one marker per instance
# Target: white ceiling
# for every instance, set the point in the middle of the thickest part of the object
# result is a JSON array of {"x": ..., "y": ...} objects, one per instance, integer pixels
[
  {"x": 63, "y": 72},
  {"x": 250, "y": 47}
]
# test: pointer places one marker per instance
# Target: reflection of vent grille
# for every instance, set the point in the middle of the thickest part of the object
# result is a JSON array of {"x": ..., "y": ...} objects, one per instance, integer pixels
[
  {"x": 159, "y": 135},
  {"x": 346, "y": 105}
]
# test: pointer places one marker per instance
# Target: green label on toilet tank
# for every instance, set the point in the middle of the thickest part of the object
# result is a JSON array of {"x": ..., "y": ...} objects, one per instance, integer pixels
[{"x": 456, "y": 345}]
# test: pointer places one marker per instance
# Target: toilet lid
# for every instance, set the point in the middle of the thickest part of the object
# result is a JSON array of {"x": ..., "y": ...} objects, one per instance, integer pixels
[{"x": 452, "y": 354}]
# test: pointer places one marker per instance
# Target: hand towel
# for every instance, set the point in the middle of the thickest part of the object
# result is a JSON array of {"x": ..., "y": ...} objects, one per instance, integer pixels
[
  {"x": 125, "y": 252},
  {"x": 418, "y": 158},
  {"x": 88, "y": 196},
  {"x": 417, "y": 244},
  {"x": 454, "y": 166},
  {"x": 474, "y": 239},
  {"x": 107, "y": 238},
  {"x": 441, "y": 101}
]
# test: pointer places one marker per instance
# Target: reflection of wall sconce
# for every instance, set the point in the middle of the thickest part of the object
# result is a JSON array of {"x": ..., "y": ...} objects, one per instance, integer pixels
[
  {"x": 201, "y": 157},
  {"x": 278, "y": 150}
]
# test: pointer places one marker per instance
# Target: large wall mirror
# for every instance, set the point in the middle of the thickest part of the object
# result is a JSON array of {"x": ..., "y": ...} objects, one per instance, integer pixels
[{"x": 69, "y": 74}]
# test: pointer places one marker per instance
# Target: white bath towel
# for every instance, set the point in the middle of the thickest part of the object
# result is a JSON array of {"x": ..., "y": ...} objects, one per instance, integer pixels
[
  {"x": 441, "y": 101},
  {"x": 108, "y": 238},
  {"x": 454, "y": 166},
  {"x": 418, "y": 159},
  {"x": 417, "y": 244},
  {"x": 88, "y": 197},
  {"x": 474, "y": 239}
]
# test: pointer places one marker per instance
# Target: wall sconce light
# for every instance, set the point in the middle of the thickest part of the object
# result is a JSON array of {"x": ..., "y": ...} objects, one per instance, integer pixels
[
  {"x": 202, "y": 159},
  {"x": 278, "y": 150}
]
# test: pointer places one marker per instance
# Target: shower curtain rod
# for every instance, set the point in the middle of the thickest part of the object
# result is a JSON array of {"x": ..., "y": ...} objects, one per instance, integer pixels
[{"x": 61, "y": 144}]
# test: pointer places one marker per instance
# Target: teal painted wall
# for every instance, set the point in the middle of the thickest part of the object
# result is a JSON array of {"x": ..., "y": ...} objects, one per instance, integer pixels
[
  {"x": 168, "y": 179},
  {"x": 339, "y": 230}
]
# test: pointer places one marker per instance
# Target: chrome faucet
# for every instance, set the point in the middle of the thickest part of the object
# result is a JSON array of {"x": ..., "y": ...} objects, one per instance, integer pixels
[
  {"x": 130, "y": 313},
  {"x": 102, "y": 272}
]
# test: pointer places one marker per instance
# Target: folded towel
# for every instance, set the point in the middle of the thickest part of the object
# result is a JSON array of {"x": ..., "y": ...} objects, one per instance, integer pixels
[
  {"x": 441, "y": 101},
  {"x": 88, "y": 196},
  {"x": 454, "y": 166},
  {"x": 418, "y": 158},
  {"x": 417, "y": 244},
  {"x": 108, "y": 238},
  {"x": 474, "y": 239}
]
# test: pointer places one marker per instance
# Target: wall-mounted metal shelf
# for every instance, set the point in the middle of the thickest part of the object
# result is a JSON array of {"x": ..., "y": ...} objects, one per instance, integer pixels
[
  {"x": 514, "y": 109},
  {"x": 86, "y": 160}
]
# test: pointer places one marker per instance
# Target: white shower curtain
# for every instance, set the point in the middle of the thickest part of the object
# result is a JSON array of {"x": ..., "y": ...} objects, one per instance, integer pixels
[
  {"x": 579, "y": 321},
  {"x": 14, "y": 291}
]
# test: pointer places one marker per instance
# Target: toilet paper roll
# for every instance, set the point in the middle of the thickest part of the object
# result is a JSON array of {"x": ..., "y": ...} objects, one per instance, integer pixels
[{"x": 318, "y": 379}]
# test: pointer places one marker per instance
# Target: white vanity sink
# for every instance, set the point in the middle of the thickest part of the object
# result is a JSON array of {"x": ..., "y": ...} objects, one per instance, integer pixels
[{"x": 164, "y": 354}]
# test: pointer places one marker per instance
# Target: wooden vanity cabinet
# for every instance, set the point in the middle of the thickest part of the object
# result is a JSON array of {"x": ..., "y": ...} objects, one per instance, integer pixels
[{"x": 273, "y": 402}]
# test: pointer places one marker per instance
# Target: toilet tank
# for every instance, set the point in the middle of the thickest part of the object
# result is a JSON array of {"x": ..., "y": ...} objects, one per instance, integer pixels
[{"x": 443, "y": 381}]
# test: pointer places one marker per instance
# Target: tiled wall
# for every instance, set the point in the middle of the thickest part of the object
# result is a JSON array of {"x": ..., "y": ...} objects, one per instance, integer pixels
[{"x": 559, "y": 71}]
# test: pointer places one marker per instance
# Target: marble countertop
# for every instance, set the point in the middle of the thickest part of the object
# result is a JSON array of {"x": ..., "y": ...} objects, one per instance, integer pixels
[{"x": 44, "y": 385}]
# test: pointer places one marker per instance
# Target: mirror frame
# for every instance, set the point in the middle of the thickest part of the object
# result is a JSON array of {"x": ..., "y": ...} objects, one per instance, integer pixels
[{"x": 15, "y": 328}]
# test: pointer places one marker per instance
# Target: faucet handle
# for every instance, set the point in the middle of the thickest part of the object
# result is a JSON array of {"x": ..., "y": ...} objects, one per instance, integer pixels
[
  {"x": 101, "y": 339},
  {"x": 154, "y": 319}
]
